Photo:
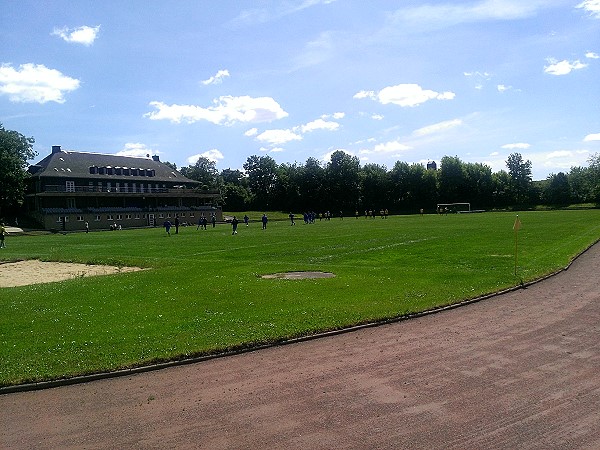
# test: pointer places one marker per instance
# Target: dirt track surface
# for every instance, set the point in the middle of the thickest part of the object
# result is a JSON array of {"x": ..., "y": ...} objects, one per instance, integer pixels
[{"x": 521, "y": 370}]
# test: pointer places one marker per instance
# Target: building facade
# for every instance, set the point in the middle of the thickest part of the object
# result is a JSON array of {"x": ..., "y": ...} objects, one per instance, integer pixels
[{"x": 68, "y": 190}]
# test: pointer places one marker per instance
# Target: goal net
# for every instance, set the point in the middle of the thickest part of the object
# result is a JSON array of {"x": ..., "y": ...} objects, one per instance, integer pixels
[{"x": 453, "y": 207}]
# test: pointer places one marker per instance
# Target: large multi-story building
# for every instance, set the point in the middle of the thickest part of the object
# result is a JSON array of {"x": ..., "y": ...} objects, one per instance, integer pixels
[{"x": 69, "y": 189}]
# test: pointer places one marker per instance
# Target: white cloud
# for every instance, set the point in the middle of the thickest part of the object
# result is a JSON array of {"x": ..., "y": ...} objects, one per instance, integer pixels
[
  {"x": 318, "y": 124},
  {"x": 32, "y": 83},
  {"x": 518, "y": 145},
  {"x": 227, "y": 110},
  {"x": 137, "y": 150},
  {"x": 365, "y": 94},
  {"x": 591, "y": 6},
  {"x": 278, "y": 137},
  {"x": 212, "y": 155},
  {"x": 592, "y": 55},
  {"x": 217, "y": 78},
  {"x": 562, "y": 67},
  {"x": 339, "y": 115},
  {"x": 251, "y": 132},
  {"x": 428, "y": 16},
  {"x": 592, "y": 137},
  {"x": 404, "y": 95},
  {"x": 386, "y": 147},
  {"x": 503, "y": 88},
  {"x": 559, "y": 160},
  {"x": 377, "y": 117},
  {"x": 81, "y": 35},
  {"x": 438, "y": 127},
  {"x": 278, "y": 11}
]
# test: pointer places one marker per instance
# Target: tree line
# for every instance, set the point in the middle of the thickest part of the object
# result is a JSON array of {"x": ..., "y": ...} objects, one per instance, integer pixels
[{"x": 343, "y": 184}]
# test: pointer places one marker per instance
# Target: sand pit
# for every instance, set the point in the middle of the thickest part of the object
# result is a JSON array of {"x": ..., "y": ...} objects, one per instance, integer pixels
[{"x": 23, "y": 273}]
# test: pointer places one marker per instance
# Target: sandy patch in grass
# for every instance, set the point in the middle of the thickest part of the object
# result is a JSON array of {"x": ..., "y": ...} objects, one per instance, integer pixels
[
  {"x": 299, "y": 275},
  {"x": 23, "y": 273}
]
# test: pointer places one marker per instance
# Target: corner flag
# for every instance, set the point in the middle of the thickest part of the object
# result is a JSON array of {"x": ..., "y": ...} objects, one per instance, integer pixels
[{"x": 517, "y": 225}]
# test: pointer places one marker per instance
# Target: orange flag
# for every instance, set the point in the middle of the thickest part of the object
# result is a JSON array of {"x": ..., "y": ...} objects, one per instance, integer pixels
[{"x": 517, "y": 225}]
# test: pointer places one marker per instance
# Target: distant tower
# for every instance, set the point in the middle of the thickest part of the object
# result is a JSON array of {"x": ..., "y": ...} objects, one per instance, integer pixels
[{"x": 431, "y": 165}]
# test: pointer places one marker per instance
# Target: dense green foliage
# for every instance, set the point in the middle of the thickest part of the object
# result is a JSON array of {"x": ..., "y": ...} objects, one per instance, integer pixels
[
  {"x": 342, "y": 184},
  {"x": 202, "y": 292},
  {"x": 15, "y": 150}
]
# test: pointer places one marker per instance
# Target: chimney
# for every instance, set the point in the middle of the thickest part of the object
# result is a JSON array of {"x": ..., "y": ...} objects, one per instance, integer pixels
[
  {"x": 155, "y": 158},
  {"x": 56, "y": 149}
]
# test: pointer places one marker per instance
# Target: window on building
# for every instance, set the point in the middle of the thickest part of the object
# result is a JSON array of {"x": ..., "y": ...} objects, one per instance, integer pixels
[
  {"x": 79, "y": 218},
  {"x": 109, "y": 217},
  {"x": 127, "y": 216},
  {"x": 97, "y": 218},
  {"x": 70, "y": 186},
  {"x": 119, "y": 216}
]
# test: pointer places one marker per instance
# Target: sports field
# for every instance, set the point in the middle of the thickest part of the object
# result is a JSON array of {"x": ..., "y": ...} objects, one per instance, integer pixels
[{"x": 203, "y": 293}]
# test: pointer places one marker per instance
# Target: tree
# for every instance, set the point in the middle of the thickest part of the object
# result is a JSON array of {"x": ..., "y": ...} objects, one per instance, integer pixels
[
  {"x": 453, "y": 180},
  {"x": 557, "y": 190},
  {"x": 15, "y": 151},
  {"x": 375, "y": 186},
  {"x": 594, "y": 177},
  {"x": 204, "y": 171},
  {"x": 311, "y": 186},
  {"x": 520, "y": 175},
  {"x": 171, "y": 165},
  {"x": 342, "y": 182},
  {"x": 262, "y": 178}
]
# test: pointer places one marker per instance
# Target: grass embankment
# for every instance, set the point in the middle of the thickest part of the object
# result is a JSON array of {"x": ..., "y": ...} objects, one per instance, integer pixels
[{"x": 203, "y": 292}]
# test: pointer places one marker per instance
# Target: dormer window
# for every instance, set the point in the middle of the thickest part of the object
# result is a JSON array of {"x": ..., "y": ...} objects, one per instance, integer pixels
[{"x": 93, "y": 170}]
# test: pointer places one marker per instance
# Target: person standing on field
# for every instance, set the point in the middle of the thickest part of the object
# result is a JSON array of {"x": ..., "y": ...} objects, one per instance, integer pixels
[
  {"x": 264, "y": 221},
  {"x": 3, "y": 232},
  {"x": 167, "y": 226},
  {"x": 234, "y": 224}
]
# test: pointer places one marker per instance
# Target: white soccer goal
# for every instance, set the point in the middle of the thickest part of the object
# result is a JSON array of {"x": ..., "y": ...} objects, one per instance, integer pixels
[{"x": 443, "y": 208}]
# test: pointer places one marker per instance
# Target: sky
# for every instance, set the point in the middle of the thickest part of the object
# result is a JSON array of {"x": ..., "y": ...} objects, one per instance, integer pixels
[{"x": 384, "y": 81}]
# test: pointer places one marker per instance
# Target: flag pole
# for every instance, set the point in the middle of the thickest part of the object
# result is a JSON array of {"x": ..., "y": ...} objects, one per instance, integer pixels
[{"x": 516, "y": 227}]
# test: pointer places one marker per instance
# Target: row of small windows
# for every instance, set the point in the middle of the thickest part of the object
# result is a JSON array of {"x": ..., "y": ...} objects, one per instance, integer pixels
[
  {"x": 111, "y": 217},
  {"x": 126, "y": 171}
]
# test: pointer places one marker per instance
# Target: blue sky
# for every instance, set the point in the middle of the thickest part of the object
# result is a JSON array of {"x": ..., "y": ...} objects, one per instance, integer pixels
[{"x": 385, "y": 81}]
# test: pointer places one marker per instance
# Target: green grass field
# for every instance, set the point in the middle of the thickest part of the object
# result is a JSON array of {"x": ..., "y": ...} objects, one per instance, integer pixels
[{"x": 202, "y": 292}]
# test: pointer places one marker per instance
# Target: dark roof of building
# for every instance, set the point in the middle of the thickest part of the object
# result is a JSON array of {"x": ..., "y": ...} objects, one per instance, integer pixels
[{"x": 69, "y": 164}]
